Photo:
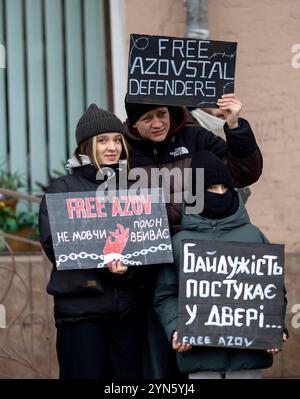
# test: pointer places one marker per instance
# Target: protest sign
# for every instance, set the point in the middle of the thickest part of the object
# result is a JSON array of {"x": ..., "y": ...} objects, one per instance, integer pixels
[
  {"x": 231, "y": 294},
  {"x": 179, "y": 71},
  {"x": 89, "y": 230}
]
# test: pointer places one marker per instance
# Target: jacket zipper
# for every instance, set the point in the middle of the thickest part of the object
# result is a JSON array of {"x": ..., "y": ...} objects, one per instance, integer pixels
[{"x": 155, "y": 153}]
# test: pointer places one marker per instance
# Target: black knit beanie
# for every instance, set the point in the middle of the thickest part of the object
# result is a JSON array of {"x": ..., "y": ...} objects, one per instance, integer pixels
[
  {"x": 136, "y": 110},
  {"x": 215, "y": 170},
  {"x": 96, "y": 121}
]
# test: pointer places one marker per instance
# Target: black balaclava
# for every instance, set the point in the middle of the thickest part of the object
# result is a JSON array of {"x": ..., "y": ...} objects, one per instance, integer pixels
[{"x": 216, "y": 206}]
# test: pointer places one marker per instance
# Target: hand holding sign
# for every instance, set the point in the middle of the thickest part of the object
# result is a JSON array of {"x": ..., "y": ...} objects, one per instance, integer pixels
[
  {"x": 231, "y": 107},
  {"x": 117, "y": 267},
  {"x": 116, "y": 247},
  {"x": 274, "y": 351},
  {"x": 178, "y": 346}
]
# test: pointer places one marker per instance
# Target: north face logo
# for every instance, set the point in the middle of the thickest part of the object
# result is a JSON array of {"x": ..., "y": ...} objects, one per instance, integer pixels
[{"x": 179, "y": 151}]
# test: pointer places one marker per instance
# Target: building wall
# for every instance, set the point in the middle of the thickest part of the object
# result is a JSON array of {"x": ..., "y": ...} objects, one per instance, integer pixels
[
  {"x": 156, "y": 17},
  {"x": 269, "y": 88}
]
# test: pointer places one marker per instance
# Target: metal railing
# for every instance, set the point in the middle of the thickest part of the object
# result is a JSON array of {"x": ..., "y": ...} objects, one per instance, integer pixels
[{"x": 27, "y": 333}]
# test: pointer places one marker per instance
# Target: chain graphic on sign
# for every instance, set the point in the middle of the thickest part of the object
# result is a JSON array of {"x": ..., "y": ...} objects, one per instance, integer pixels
[
  {"x": 112, "y": 251},
  {"x": 213, "y": 102},
  {"x": 123, "y": 258},
  {"x": 230, "y": 56}
]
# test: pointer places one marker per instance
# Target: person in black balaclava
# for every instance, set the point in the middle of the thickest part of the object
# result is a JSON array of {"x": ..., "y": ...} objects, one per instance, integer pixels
[
  {"x": 223, "y": 218},
  {"x": 220, "y": 197}
]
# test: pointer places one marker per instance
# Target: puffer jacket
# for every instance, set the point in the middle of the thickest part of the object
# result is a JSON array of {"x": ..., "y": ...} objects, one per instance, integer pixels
[
  {"x": 240, "y": 152},
  {"x": 91, "y": 293},
  {"x": 234, "y": 228}
]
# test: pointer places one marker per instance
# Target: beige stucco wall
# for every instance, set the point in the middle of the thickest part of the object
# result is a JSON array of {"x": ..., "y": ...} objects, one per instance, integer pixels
[
  {"x": 270, "y": 90},
  {"x": 155, "y": 17}
]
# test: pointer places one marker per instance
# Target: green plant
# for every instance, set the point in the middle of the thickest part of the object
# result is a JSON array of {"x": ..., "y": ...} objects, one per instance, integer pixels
[
  {"x": 26, "y": 219},
  {"x": 10, "y": 181},
  {"x": 11, "y": 222},
  {"x": 8, "y": 220}
]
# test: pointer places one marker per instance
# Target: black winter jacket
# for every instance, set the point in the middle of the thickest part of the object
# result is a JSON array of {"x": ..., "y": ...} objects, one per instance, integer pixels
[
  {"x": 91, "y": 293},
  {"x": 241, "y": 153}
]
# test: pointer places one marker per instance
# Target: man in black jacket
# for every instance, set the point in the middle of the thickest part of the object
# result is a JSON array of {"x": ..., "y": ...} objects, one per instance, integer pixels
[{"x": 161, "y": 137}]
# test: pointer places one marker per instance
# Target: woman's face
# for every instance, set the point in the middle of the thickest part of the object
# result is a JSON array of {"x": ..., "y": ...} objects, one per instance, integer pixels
[{"x": 109, "y": 148}]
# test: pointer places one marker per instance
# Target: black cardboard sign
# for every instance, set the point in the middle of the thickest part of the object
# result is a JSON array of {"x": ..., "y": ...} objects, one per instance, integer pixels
[
  {"x": 179, "y": 71},
  {"x": 231, "y": 294},
  {"x": 88, "y": 231}
]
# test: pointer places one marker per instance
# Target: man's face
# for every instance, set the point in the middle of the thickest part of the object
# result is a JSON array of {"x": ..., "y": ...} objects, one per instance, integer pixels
[{"x": 154, "y": 125}]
